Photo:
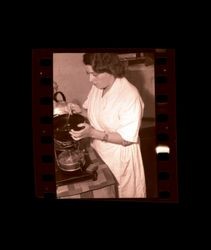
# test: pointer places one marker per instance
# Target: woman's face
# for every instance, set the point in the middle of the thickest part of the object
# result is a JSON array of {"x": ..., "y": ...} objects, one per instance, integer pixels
[{"x": 100, "y": 80}]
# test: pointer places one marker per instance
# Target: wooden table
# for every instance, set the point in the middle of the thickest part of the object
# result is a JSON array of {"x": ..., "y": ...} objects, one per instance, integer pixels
[{"x": 104, "y": 187}]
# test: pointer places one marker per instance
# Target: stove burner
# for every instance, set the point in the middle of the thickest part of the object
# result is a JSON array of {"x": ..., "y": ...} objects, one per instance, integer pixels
[
  {"x": 72, "y": 160},
  {"x": 64, "y": 177}
]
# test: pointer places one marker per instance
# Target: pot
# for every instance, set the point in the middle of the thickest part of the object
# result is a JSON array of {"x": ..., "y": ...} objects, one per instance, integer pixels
[
  {"x": 62, "y": 124},
  {"x": 60, "y": 104},
  {"x": 71, "y": 160},
  {"x": 68, "y": 155}
]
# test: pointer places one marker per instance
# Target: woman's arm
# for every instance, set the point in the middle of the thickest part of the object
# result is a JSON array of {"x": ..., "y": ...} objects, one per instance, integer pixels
[
  {"x": 112, "y": 137},
  {"x": 83, "y": 112},
  {"x": 89, "y": 131},
  {"x": 76, "y": 109}
]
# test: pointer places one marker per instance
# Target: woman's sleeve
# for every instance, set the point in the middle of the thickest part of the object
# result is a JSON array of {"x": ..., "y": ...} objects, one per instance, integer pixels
[
  {"x": 89, "y": 97},
  {"x": 85, "y": 104},
  {"x": 130, "y": 117}
]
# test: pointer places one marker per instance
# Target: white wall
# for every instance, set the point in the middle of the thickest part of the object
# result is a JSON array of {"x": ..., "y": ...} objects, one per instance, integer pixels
[
  {"x": 70, "y": 75},
  {"x": 143, "y": 77}
]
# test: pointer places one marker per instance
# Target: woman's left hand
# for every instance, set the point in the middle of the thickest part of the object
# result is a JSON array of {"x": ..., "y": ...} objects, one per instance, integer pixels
[{"x": 83, "y": 133}]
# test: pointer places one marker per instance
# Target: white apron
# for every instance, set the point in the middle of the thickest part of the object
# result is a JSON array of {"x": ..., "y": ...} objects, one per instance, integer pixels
[{"x": 119, "y": 110}]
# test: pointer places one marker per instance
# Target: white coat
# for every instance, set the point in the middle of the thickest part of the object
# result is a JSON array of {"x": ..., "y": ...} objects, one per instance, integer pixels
[{"x": 119, "y": 110}]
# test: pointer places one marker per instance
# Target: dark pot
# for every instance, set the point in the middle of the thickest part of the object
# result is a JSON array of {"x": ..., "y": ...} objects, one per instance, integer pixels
[{"x": 64, "y": 123}]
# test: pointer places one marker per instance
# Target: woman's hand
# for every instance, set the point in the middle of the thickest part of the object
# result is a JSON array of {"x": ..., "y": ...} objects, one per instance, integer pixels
[
  {"x": 74, "y": 108},
  {"x": 83, "y": 133}
]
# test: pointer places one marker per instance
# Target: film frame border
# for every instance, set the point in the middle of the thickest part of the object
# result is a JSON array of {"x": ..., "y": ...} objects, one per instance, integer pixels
[{"x": 42, "y": 119}]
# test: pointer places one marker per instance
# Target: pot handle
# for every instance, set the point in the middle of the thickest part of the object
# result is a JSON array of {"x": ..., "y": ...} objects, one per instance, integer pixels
[{"x": 62, "y": 95}]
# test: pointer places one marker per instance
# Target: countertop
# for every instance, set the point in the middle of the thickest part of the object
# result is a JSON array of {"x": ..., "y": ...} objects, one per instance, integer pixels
[{"x": 103, "y": 187}]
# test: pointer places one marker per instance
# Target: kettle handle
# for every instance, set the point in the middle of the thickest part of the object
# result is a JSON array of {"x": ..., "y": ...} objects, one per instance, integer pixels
[{"x": 56, "y": 94}]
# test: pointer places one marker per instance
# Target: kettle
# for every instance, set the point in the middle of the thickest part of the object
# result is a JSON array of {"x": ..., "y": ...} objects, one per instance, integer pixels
[{"x": 60, "y": 104}]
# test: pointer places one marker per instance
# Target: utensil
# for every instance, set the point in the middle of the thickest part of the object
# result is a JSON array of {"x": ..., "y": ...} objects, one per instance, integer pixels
[{"x": 67, "y": 123}]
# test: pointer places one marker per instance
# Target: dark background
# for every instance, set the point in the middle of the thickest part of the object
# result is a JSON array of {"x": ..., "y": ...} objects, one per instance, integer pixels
[{"x": 98, "y": 30}]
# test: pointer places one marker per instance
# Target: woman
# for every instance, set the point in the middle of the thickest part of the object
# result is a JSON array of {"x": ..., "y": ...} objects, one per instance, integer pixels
[{"x": 114, "y": 109}]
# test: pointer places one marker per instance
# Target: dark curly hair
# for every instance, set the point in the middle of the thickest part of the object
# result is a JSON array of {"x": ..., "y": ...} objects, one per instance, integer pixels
[{"x": 105, "y": 62}]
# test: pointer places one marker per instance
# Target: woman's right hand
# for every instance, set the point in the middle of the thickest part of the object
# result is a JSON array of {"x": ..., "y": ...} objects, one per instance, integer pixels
[{"x": 74, "y": 108}]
